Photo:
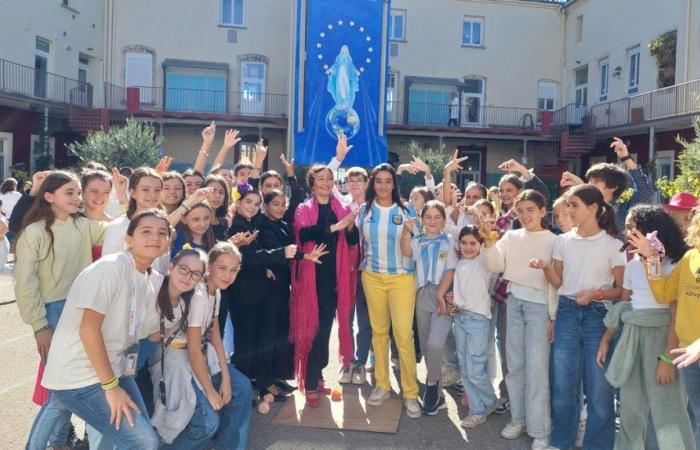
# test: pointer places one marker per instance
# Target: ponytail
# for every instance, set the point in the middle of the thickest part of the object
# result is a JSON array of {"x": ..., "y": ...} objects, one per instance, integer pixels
[
  {"x": 606, "y": 219},
  {"x": 605, "y": 216}
]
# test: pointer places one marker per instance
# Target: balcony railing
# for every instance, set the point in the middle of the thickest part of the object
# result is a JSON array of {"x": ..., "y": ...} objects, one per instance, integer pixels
[
  {"x": 571, "y": 115},
  {"x": 211, "y": 101},
  {"x": 438, "y": 114},
  {"x": 662, "y": 103},
  {"x": 27, "y": 81}
]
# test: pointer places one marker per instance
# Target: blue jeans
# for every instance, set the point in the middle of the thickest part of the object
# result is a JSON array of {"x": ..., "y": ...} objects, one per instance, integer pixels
[
  {"x": 363, "y": 337},
  {"x": 527, "y": 352},
  {"x": 90, "y": 404},
  {"x": 230, "y": 424},
  {"x": 692, "y": 386},
  {"x": 59, "y": 418},
  {"x": 577, "y": 333},
  {"x": 472, "y": 338}
]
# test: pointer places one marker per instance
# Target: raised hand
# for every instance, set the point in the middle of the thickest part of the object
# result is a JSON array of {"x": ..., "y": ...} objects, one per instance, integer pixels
[
  {"x": 512, "y": 166},
  {"x": 619, "y": 147},
  {"x": 288, "y": 165},
  {"x": 455, "y": 162},
  {"x": 199, "y": 196},
  {"x": 231, "y": 138},
  {"x": 316, "y": 254},
  {"x": 406, "y": 168},
  {"x": 260, "y": 154},
  {"x": 164, "y": 164},
  {"x": 569, "y": 179},
  {"x": 419, "y": 165},
  {"x": 342, "y": 148},
  {"x": 37, "y": 179},
  {"x": 208, "y": 133},
  {"x": 120, "y": 183},
  {"x": 641, "y": 244}
]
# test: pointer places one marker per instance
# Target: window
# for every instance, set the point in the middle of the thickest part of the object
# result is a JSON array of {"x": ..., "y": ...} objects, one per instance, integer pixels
[
  {"x": 232, "y": 12},
  {"x": 139, "y": 73},
  {"x": 82, "y": 72},
  {"x": 397, "y": 25},
  {"x": 392, "y": 108},
  {"x": 41, "y": 67},
  {"x": 195, "y": 90},
  {"x": 603, "y": 75},
  {"x": 5, "y": 155},
  {"x": 633, "y": 58},
  {"x": 253, "y": 88},
  {"x": 579, "y": 28},
  {"x": 472, "y": 31},
  {"x": 472, "y": 102},
  {"x": 37, "y": 153},
  {"x": 581, "y": 86},
  {"x": 546, "y": 95}
]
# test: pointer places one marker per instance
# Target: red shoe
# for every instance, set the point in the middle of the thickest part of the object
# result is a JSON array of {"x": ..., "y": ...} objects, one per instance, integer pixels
[
  {"x": 323, "y": 389},
  {"x": 312, "y": 399}
]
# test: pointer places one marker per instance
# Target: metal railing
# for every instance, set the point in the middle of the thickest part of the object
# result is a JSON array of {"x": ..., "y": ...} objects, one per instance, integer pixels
[
  {"x": 28, "y": 81},
  {"x": 114, "y": 97},
  {"x": 439, "y": 114},
  {"x": 212, "y": 101},
  {"x": 568, "y": 116},
  {"x": 670, "y": 101}
]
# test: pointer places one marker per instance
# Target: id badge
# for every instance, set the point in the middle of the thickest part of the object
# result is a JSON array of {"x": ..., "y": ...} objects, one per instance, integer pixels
[{"x": 132, "y": 356}]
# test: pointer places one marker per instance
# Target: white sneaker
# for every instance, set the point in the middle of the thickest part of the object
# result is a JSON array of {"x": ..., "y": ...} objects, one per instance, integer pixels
[
  {"x": 581, "y": 432},
  {"x": 359, "y": 376},
  {"x": 346, "y": 374},
  {"x": 540, "y": 443},
  {"x": 377, "y": 397},
  {"x": 472, "y": 421},
  {"x": 513, "y": 430},
  {"x": 412, "y": 408}
]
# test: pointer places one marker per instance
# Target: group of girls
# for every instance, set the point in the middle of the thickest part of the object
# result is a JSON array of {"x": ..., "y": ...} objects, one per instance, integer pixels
[{"x": 485, "y": 269}]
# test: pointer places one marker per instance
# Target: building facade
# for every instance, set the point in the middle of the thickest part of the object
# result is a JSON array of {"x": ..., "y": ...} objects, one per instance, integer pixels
[{"x": 543, "y": 82}]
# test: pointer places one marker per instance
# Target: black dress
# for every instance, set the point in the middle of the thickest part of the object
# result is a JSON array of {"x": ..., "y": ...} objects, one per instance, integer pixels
[
  {"x": 252, "y": 310},
  {"x": 326, "y": 288},
  {"x": 276, "y": 234}
]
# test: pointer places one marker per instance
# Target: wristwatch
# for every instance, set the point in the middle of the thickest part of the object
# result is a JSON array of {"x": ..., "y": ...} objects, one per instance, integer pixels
[{"x": 625, "y": 158}]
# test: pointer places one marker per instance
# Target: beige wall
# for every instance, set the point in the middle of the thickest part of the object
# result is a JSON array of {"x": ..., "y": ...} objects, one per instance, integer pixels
[
  {"x": 185, "y": 29},
  {"x": 610, "y": 28},
  {"x": 183, "y": 143},
  {"x": 521, "y": 45},
  {"x": 71, "y": 32}
]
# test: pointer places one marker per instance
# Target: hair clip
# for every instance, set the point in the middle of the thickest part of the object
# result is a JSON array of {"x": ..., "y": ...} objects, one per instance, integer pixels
[{"x": 187, "y": 246}]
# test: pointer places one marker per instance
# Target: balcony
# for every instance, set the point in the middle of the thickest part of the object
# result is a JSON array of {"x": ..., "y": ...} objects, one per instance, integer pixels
[
  {"x": 27, "y": 82},
  {"x": 499, "y": 119},
  {"x": 671, "y": 101},
  {"x": 179, "y": 103}
]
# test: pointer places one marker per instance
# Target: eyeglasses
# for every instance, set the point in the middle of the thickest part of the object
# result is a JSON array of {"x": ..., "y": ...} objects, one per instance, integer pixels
[{"x": 186, "y": 272}]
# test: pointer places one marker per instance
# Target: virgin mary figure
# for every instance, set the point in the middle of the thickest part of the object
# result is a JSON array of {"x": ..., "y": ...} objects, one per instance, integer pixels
[{"x": 343, "y": 80}]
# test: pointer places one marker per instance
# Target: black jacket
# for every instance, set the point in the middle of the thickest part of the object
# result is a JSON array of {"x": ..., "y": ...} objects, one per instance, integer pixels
[{"x": 250, "y": 285}]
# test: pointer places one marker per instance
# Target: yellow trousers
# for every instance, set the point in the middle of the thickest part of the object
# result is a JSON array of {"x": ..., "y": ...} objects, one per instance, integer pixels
[{"x": 391, "y": 301}]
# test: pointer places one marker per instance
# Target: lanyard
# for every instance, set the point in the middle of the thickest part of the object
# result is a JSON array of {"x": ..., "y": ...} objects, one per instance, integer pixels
[
  {"x": 164, "y": 343},
  {"x": 207, "y": 333}
]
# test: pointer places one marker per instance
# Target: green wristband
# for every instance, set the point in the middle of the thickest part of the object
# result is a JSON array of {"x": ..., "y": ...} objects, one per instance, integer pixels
[{"x": 664, "y": 358}]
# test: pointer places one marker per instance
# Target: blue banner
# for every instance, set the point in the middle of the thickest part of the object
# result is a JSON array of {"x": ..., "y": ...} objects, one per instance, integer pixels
[{"x": 340, "y": 80}]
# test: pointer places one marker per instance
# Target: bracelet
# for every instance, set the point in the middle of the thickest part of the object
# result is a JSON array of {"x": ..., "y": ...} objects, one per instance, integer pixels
[
  {"x": 44, "y": 328},
  {"x": 187, "y": 209},
  {"x": 625, "y": 158},
  {"x": 664, "y": 358},
  {"x": 114, "y": 382}
]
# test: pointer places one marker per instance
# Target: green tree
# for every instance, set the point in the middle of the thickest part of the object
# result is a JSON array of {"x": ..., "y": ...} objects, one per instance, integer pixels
[
  {"x": 134, "y": 144},
  {"x": 688, "y": 163},
  {"x": 435, "y": 159}
]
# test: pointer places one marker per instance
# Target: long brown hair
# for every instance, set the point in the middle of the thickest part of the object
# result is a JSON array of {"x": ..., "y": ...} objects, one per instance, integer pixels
[
  {"x": 605, "y": 215},
  {"x": 134, "y": 179},
  {"x": 41, "y": 209},
  {"x": 222, "y": 211},
  {"x": 208, "y": 238},
  {"x": 163, "y": 299}
]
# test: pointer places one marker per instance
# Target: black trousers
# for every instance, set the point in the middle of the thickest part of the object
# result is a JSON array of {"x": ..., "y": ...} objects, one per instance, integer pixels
[
  {"x": 318, "y": 356},
  {"x": 283, "y": 353},
  {"x": 254, "y": 339}
]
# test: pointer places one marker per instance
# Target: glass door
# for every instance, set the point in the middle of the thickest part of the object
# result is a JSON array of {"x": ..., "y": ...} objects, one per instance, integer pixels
[
  {"x": 253, "y": 88},
  {"x": 581, "y": 99},
  {"x": 472, "y": 101}
]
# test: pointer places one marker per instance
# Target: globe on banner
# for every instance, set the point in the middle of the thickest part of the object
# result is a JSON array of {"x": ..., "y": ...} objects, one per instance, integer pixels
[{"x": 342, "y": 119}]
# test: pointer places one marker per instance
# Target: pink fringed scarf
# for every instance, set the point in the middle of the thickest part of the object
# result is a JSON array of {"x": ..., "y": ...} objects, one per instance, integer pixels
[{"x": 304, "y": 301}]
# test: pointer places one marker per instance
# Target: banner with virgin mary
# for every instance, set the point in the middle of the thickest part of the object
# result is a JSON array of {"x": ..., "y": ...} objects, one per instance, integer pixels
[{"x": 340, "y": 76}]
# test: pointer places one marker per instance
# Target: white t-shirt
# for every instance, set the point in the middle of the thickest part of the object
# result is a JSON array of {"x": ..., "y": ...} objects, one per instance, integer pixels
[
  {"x": 171, "y": 326},
  {"x": 635, "y": 280},
  {"x": 471, "y": 286},
  {"x": 588, "y": 262},
  {"x": 202, "y": 307},
  {"x": 463, "y": 220},
  {"x": 105, "y": 287},
  {"x": 9, "y": 200}
]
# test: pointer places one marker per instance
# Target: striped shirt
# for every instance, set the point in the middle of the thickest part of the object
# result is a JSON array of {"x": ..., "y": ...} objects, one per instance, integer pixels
[
  {"x": 380, "y": 229},
  {"x": 433, "y": 256}
]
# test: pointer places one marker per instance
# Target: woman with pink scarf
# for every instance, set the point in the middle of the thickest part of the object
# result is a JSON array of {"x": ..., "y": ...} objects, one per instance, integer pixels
[{"x": 319, "y": 291}]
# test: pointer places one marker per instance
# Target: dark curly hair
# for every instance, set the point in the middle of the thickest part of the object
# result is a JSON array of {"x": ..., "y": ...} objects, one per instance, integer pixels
[{"x": 648, "y": 218}]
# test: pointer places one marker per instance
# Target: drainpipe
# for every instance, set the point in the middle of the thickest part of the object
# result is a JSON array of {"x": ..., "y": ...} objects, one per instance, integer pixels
[
  {"x": 687, "y": 40},
  {"x": 523, "y": 159},
  {"x": 562, "y": 82},
  {"x": 652, "y": 150}
]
